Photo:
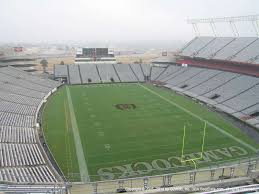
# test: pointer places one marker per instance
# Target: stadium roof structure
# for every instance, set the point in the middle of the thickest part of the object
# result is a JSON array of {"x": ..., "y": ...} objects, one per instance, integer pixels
[{"x": 231, "y": 20}]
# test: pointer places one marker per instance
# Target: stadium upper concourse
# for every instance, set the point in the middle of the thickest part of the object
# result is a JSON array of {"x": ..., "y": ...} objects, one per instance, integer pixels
[{"x": 219, "y": 73}]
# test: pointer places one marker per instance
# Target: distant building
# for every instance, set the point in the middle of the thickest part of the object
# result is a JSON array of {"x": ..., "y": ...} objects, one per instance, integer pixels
[{"x": 95, "y": 55}]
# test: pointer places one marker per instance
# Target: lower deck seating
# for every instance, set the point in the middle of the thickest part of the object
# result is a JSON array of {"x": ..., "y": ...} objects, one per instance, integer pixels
[
  {"x": 21, "y": 157},
  {"x": 38, "y": 174},
  {"x": 125, "y": 73},
  {"x": 10, "y": 134},
  {"x": 74, "y": 76},
  {"x": 233, "y": 93},
  {"x": 136, "y": 68},
  {"x": 107, "y": 73},
  {"x": 156, "y": 71},
  {"x": 146, "y": 69},
  {"x": 89, "y": 73}
]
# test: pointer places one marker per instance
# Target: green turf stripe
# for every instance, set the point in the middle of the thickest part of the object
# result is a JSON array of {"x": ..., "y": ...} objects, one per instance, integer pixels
[
  {"x": 198, "y": 117},
  {"x": 79, "y": 148}
]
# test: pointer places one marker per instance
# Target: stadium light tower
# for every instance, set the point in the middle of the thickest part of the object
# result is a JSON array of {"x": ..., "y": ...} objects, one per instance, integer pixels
[{"x": 254, "y": 19}]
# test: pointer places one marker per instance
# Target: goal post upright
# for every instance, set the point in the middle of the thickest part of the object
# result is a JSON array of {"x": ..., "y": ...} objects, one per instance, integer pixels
[{"x": 202, "y": 146}]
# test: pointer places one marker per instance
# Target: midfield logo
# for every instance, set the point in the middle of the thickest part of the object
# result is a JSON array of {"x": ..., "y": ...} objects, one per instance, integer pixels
[{"x": 125, "y": 106}]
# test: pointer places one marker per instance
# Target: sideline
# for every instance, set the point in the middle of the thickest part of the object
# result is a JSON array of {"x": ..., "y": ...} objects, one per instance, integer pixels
[{"x": 77, "y": 141}]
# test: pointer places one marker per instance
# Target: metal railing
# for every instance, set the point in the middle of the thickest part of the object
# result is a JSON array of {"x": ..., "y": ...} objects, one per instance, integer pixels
[{"x": 239, "y": 169}]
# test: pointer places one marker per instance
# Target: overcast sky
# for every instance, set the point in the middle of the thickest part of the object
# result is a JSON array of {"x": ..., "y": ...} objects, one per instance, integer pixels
[{"x": 114, "y": 20}]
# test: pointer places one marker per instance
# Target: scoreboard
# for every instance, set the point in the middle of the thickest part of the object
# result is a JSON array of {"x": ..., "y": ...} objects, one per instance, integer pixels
[{"x": 95, "y": 52}]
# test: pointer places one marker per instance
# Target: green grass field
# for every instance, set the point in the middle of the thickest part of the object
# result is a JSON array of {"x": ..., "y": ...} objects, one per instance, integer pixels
[{"x": 109, "y": 131}]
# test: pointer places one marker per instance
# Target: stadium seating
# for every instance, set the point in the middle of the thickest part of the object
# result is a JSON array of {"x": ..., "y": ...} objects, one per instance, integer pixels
[
  {"x": 195, "y": 45},
  {"x": 229, "y": 79},
  {"x": 61, "y": 70},
  {"x": 156, "y": 71},
  {"x": 216, "y": 45},
  {"x": 136, "y": 68},
  {"x": 21, "y": 157},
  {"x": 25, "y": 100},
  {"x": 199, "y": 79},
  {"x": 171, "y": 69},
  {"x": 173, "y": 74},
  {"x": 241, "y": 49},
  {"x": 89, "y": 73},
  {"x": 108, "y": 73},
  {"x": 102, "y": 73},
  {"x": 146, "y": 69},
  {"x": 226, "y": 91},
  {"x": 22, "y": 82},
  {"x": 244, "y": 100},
  {"x": 248, "y": 54},
  {"x": 74, "y": 76},
  {"x": 125, "y": 73},
  {"x": 186, "y": 75},
  {"x": 233, "y": 93},
  {"x": 35, "y": 79},
  {"x": 8, "y": 87},
  {"x": 10, "y": 134},
  {"x": 213, "y": 83},
  {"x": 229, "y": 51},
  {"x": 37, "y": 174}
]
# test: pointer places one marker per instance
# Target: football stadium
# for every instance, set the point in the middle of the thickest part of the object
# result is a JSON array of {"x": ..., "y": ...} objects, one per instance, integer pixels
[{"x": 105, "y": 127}]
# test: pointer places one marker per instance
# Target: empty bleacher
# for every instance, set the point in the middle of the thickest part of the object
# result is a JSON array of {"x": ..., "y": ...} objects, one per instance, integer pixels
[
  {"x": 238, "y": 49},
  {"x": 107, "y": 73},
  {"x": 171, "y": 69},
  {"x": 74, "y": 76},
  {"x": 89, "y": 73},
  {"x": 10, "y": 134},
  {"x": 233, "y": 87},
  {"x": 174, "y": 74},
  {"x": 136, "y": 68},
  {"x": 34, "y": 79},
  {"x": 19, "y": 99},
  {"x": 216, "y": 45},
  {"x": 213, "y": 83},
  {"x": 102, "y": 73},
  {"x": 125, "y": 73},
  {"x": 10, "y": 107},
  {"x": 199, "y": 79},
  {"x": 195, "y": 45},
  {"x": 17, "y": 120},
  {"x": 14, "y": 155},
  {"x": 156, "y": 71},
  {"x": 233, "y": 93},
  {"x": 8, "y": 87},
  {"x": 38, "y": 174},
  {"x": 248, "y": 54},
  {"x": 21, "y": 82},
  {"x": 21, "y": 158},
  {"x": 231, "y": 49},
  {"x": 146, "y": 69},
  {"x": 186, "y": 75},
  {"x": 60, "y": 71},
  {"x": 244, "y": 100}
]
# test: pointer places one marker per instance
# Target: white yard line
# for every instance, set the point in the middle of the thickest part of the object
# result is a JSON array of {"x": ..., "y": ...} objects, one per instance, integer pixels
[
  {"x": 198, "y": 117},
  {"x": 77, "y": 141}
]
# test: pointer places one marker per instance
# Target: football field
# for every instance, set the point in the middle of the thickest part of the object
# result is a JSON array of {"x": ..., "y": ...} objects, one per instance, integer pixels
[{"x": 110, "y": 131}]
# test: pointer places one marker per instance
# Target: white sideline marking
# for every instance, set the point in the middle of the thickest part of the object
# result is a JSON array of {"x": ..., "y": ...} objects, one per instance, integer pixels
[
  {"x": 196, "y": 116},
  {"x": 77, "y": 140}
]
